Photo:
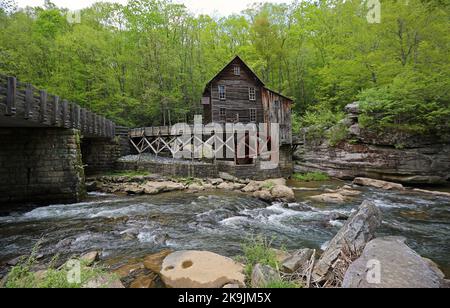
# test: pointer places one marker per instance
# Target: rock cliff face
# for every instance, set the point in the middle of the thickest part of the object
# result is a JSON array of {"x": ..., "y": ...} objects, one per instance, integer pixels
[{"x": 390, "y": 156}]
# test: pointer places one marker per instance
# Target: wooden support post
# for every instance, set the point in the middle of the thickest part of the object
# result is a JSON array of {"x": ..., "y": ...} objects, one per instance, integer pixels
[
  {"x": 164, "y": 116},
  {"x": 29, "y": 100},
  {"x": 11, "y": 96},
  {"x": 56, "y": 113},
  {"x": 43, "y": 106}
]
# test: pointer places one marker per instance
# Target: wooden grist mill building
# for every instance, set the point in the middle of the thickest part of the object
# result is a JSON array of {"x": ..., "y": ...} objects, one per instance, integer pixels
[{"x": 236, "y": 95}]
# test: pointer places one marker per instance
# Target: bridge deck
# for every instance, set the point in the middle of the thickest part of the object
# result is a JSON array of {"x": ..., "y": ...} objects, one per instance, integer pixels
[{"x": 22, "y": 105}]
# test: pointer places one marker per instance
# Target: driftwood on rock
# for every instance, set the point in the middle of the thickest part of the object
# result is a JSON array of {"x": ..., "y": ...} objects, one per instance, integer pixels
[{"x": 347, "y": 245}]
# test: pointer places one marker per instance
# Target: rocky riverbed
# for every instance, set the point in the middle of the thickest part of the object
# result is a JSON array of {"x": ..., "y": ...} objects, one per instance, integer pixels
[
  {"x": 128, "y": 230},
  {"x": 268, "y": 190}
]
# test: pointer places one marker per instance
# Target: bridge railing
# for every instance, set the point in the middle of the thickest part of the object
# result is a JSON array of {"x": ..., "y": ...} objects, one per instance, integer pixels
[{"x": 22, "y": 104}]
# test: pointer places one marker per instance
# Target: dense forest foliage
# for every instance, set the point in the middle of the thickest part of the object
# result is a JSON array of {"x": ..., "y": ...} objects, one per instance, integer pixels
[{"x": 132, "y": 62}]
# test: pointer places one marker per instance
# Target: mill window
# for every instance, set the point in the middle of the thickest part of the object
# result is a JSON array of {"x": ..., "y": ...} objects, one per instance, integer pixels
[
  {"x": 252, "y": 94},
  {"x": 237, "y": 70},
  {"x": 252, "y": 115},
  {"x": 223, "y": 114},
  {"x": 222, "y": 94}
]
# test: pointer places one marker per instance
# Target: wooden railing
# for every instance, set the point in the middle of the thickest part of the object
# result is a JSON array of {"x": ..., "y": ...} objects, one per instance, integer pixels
[{"x": 22, "y": 104}]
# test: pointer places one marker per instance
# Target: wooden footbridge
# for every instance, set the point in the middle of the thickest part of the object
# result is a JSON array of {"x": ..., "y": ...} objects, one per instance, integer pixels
[{"x": 23, "y": 105}]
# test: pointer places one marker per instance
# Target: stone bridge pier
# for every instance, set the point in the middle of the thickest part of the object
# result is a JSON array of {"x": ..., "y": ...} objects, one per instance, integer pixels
[
  {"x": 48, "y": 165},
  {"x": 40, "y": 165},
  {"x": 42, "y": 142}
]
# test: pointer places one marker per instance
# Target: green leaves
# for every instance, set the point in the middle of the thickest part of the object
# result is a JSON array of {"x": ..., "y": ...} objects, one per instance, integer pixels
[
  {"x": 414, "y": 102},
  {"x": 131, "y": 62}
]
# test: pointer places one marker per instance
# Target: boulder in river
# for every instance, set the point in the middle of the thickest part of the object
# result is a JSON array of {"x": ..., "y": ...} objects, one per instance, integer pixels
[
  {"x": 215, "y": 182},
  {"x": 132, "y": 189},
  {"x": 253, "y": 186},
  {"x": 378, "y": 184},
  {"x": 159, "y": 187},
  {"x": 329, "y": 198},
  {"x": 195, "y": 187},
  {"x": 389, "y": 263},
  {"x": 263, "y": 195},
  {"x": 283, "y": 193},
  {"x": 280, "y": 193},
  {"x": 433, "y": 192},
  {"x": 354, "y": 235},
  {"x": 339, "y": 196},
  {"x": 90, "y": 257},
  {"x": 200, "y": 269}
]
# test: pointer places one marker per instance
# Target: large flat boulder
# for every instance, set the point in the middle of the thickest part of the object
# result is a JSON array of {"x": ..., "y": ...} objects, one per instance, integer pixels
[
  {"x": 330, "y": 198},
  {"x": 200, "y": 269},
  {"x": 378, "y": 184},
  {"x": 267, "y": 184},
  {"x": 338, "y": 196},
  {"x": 152, "y": 188},
  {"x": 354, "y": 235},
  {"x": 389, "y": 263}
]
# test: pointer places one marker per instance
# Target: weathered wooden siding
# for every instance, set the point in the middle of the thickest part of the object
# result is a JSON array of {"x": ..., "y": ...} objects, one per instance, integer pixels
[
  {"x": 280, "y": 114},
  {"x": 237, "y": 95}
]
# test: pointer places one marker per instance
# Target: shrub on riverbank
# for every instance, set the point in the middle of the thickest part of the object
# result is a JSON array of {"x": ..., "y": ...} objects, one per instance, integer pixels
[
  {"x": 311, "y": 177},
  {"x": 23, "y": 275},
  {"x": 258, "y": 251}
]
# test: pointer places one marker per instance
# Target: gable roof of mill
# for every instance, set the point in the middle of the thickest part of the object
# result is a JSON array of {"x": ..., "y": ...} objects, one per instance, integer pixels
[{"x": 251, "y": 72}]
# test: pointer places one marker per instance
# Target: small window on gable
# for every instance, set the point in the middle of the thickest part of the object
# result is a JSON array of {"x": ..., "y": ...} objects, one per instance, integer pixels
[
  {"x": 222, "y": 94},
  {"x": 252, "y": 115},
  {"x": 276, "y": 104},
  {"x": 223, "y": 114},
  {"x": 237, "y": 70},
  {"x": 252, "y": 94}
]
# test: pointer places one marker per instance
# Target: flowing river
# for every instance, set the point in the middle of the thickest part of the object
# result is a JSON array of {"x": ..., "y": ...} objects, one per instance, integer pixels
[{"x": 123, "y": 227}]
